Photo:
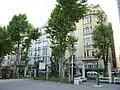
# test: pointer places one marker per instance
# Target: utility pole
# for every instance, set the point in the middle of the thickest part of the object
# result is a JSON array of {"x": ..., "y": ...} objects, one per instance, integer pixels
[
  {"x": 97, "y": 57},
  {"x": 72, "y": 67},
  {"x": 47, "y": 71},
  {"x": 98, "y": 83},
  {"x": 69, "y": 71}
]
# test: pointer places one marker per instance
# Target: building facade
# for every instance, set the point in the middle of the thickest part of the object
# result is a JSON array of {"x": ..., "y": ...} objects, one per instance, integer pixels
[
  {"x": 40, "y": 49},
  {"x": 84, "y": 49},
  {"x": 9, "y": 60},
  {"x": 115, "y": 19}
]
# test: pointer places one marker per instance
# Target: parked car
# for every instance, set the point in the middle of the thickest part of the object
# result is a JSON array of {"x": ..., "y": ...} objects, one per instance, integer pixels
[{"x": 91, "y": 74}]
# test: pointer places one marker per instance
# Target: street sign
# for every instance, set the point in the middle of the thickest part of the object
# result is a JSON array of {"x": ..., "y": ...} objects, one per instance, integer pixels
[{"x": 41, "y": 65}]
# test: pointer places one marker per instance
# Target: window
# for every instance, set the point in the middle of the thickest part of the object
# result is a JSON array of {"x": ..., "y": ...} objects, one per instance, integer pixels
[
  {"x": 43, "y": 58},
  {"x": 39, "y": 49},
  {"x": 91, "y": 29},
  {"x": 92, "y": 52},
  {"x": 43, "y": 51},
  {"x": 87, "y": 30},
  {"x": 8, "y": 62},
  {"x": 35, "y": 49},
  {"x": 87, "y": 19},
  {"x": 84, "y": 31},
  {"x": 90, "y": 66},
  {"x": 46, "y": 51},
  {"x": 84, "y": 41},
  {"x": 39, "y": 41},
  {"x": 84, "y": 53},
  {"x": 87, "y": 41},
  {"x": 8, "y": 57},
  {"x": 35, "y": 54},
  {"x": 90, "y": 18},
  {"x": 88, "y": 53}
]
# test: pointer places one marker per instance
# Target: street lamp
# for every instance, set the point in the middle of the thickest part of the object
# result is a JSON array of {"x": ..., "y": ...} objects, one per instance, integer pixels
[
  {"x": 73, "y": 50},
  {"x": 97, "y": 56}
]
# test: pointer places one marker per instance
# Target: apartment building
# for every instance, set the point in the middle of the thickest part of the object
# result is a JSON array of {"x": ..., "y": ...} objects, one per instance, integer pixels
[
  {"x": 115, "y": 20},
  {"x": 84, "y": 47},
  {"x": 40, "y": 49}
]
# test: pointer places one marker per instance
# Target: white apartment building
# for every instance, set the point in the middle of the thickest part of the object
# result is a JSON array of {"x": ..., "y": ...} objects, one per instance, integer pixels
[
  {"x": 9, "y": 60},
  {"x": 40, "y": 49}
]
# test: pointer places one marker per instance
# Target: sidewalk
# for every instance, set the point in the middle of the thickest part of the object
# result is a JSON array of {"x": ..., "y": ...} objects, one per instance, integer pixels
[{"x": 9, "y": 80}]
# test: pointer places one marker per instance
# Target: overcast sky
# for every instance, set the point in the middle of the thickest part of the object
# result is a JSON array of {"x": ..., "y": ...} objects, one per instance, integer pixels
[{"x": 38, "y": 11}]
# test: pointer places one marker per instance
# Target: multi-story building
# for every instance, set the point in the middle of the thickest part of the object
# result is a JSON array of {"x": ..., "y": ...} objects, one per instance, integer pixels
[
  {"x": 9, "y": 60},
  {"x": 116, "y": 31},
  {"x": 84, "y": 49},
  {"x": 40, "y": 49},
  {"x": 115, "y": 20}
]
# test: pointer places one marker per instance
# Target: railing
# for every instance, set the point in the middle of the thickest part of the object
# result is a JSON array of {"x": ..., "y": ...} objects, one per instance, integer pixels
[
  {"x": 116, "y": 79},
  {"x": 105, "y": 79}
]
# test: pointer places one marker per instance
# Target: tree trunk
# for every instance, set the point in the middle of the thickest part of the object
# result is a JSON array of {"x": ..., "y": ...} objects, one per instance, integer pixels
[
  {"x": 105, "y": 70},
  {"x": 26, "y": 61},
  {"x": 61, "y": 68},
  {"x": 16, "y": 73}
]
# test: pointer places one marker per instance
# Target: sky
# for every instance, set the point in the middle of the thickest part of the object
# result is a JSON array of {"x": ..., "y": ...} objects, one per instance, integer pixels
[{"x": 38, "y": 11}]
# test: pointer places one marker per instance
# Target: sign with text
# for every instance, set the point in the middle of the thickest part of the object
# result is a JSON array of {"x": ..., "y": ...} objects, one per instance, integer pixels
[{"x": 41, "y": 65}]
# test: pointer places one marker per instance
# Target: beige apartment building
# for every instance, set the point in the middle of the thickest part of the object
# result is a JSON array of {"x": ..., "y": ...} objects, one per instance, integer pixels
[{"x": 84, "y": 48}]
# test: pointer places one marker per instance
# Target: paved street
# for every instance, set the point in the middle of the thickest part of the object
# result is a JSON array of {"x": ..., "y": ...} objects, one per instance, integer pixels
[{"x": 44, "y": 85}]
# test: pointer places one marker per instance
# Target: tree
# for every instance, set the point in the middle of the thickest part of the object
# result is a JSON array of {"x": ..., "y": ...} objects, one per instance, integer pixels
[
  {"x": 55, "y": 61},
  {"x": 17, "y": 28},
  {"x": 22, "y": 33},
  {"x": 102, "y": 37},
  {"x": 62, "y": 23},
  {"x": 6, "y": 44},
  {"x": 31, "y": 34}
]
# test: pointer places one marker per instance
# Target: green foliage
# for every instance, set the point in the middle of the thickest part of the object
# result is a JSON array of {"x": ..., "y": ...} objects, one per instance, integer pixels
[
  {"x": 75, "y": 9},
  {"x": 18, "y": 26},
  {"x": 22, "y": 32},
  {"x": 31, "y": 34},
  {"x": 62, "y": 23},
  {"x": 102, "y": 37},
  {"x": 6, "y": 45},
  {"x": 103, "y": 33}
]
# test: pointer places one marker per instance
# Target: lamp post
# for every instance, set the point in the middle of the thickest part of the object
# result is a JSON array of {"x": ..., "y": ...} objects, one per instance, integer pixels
[
  {"x": 72, "y": 57},
  {"x": 98, "y": 83},
  {"x": 97, "y": 56}
]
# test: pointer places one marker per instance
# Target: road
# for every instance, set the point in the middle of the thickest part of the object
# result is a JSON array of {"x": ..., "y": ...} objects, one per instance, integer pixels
[{"x": 44, "y": 85}]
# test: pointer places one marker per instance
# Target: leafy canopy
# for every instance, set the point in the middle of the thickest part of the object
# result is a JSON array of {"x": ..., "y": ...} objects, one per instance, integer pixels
[
  {"x": 18, "y": 26},
  {"x": 103, "y": 33},
  {"x": 6, "y": 44},
  {"x": 62, "y": 22}
]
